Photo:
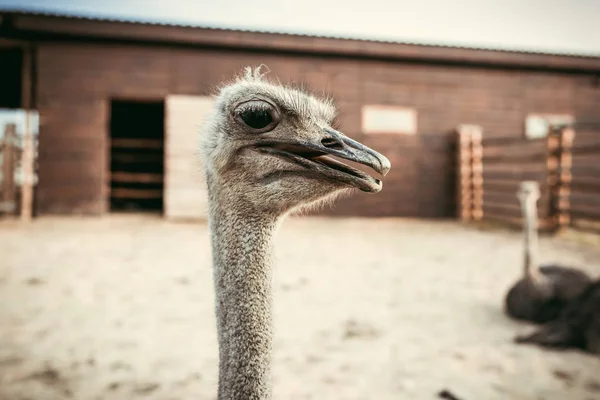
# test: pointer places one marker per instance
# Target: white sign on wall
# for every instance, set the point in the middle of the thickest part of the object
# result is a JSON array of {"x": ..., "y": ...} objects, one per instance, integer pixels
[
  {"x": 538, "y": 125},
  {"x": 389, "y": 119}
]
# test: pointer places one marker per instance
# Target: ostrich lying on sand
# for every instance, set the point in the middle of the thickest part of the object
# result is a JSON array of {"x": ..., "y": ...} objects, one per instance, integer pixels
[
  {"x": 577, "y": 326},
  {"x": 543, "y": 291},
  {"x": 267, "y": 151}
]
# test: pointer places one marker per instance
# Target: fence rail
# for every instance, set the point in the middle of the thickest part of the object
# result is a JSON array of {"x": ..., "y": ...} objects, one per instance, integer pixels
[
  {"x": 584, "y": 192},
  {"x": 566, "y": 165}
]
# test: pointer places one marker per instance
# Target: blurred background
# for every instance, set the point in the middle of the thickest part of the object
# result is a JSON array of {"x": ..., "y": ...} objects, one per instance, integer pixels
[{"x": 105, "y": 270}]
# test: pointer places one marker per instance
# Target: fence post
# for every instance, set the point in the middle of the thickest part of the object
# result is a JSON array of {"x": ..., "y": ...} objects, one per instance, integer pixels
[
  {"x": 469, "y": 173},
  {"x": 552, "y": 181},
  {"x": 9, "y": 162},
  {"x": 564, "y": 177},
  {"x": 560, "y": 144},
  {"x": 27, "y": 163},
  {"x": 463, "y": 174},
  {"x": 28, "y": 152},
  {"x": 477, "y": 166}
]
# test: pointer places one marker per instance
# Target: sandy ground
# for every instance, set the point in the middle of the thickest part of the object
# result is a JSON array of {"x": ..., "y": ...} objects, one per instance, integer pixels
[{"x": 122, "y": 308}]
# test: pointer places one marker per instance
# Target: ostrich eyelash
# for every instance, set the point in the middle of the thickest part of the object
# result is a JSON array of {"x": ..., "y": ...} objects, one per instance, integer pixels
[{"x": 252, "y": 107}]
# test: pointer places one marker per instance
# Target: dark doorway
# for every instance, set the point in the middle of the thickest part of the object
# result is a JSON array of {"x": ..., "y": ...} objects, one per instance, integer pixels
[
  {"x": 137, "y": 156},
  {"x": 11, "y": 64}
]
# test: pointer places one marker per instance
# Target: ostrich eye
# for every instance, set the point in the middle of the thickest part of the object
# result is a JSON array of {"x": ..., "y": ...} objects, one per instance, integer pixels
[
  {"x": 256, "y": 119},
  {"x": 259, "y": 116}
]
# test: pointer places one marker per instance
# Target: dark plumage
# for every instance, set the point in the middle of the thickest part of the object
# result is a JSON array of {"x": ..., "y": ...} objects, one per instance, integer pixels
[
  {"x": 527, "y": 300},
  {"x": 578, "y": 325},
  {"x": 544, "y": 291}
]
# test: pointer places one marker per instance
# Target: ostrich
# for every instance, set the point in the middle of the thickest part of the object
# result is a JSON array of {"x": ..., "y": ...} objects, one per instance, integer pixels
[
  {"x": 578, "y": 325},
  {"x": 544, "y": 290},
  {"x": 267, "y": 151}
]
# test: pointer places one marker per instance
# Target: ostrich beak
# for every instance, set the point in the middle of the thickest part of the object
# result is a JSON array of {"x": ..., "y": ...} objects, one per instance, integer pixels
[
  {"x": 342, "y": 146},
  {"x": 315, "y": 156}
]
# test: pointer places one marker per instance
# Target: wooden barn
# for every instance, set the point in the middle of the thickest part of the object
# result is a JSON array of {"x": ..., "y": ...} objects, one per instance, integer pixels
[{"x": 119, "y": 104}]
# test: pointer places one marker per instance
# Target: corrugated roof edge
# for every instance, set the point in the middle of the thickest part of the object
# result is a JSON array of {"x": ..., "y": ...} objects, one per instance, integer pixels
[{"x": 299, "y": 34}]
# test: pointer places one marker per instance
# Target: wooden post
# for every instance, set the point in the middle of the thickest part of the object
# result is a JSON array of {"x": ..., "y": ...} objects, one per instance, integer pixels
[
  {"x": 477, "y": 167},
  {"x": 564, "y": 178},
  {"x": 464, "y": 174},
  {"x": 9, "y": 162},
  {"x": 560, "y": 144},
  {"x": 27, "y": 160},
  {"x": 552, "y": 184},
  {"x": 27, "y": 163},
  {"x": 470, "y": 173}
]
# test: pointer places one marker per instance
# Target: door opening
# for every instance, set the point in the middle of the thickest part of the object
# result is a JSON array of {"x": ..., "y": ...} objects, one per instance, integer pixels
[
  {"x": 11, "y": 60},
  {"x": 136, "y": 156}
]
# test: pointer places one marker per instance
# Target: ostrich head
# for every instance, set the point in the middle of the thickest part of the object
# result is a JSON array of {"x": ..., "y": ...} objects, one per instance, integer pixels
[
  {"x": 528, "y": 192},
  {"x": 269, "y": 148}
]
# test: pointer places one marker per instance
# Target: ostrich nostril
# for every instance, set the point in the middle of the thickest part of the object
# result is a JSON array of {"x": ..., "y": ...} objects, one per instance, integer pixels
[{"x": 332, "y": 144}]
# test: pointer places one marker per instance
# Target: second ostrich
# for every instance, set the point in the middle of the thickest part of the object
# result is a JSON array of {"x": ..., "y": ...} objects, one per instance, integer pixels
[
  {"x": 578, "y": 325},
  {"x": 267, "y": 150},
  {"x": 543, "y": 291}
]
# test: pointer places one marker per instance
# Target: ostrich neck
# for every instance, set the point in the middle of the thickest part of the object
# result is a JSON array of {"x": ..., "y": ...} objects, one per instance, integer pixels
[
  {"x": 242, "y": 247},
  {"x": 531, "y": 239}
]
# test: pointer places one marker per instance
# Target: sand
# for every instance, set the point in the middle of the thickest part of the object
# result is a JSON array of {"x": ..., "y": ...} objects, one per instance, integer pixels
[{"x": 122, "y": 308}]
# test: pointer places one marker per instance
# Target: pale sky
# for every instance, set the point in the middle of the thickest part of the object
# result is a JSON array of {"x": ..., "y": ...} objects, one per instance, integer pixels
[{"x": 561, "y": 26}]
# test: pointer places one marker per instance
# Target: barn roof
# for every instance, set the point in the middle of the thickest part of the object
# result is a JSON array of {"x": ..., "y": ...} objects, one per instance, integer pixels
[{"x": 40, "y": 25}]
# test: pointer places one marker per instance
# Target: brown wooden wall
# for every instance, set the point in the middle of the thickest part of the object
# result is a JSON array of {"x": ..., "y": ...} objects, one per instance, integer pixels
[
  {"x": 584, "y": 194},
  {"x": 75, "y": 83}
]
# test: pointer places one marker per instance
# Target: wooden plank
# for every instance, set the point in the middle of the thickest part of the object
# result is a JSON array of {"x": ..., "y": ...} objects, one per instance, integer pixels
[
  {"x": 590, "y": 183},
  {"x": 28, "y": 156},
  {"x": 587, "y": 171},
  {"x": 585, "y": 212},
  {"x": 502, "y": 139},
  {"x": 137, "y": 143},
  {"x": 586, "y": 141},
  {"x": 539, "y": 167},
  {"x": 583, "y": 160},
  {"x": 514, "y": 175},
  {"x": 507, "y": 185},
  {"x": 130, "y": 177},
  {"x": 136, "y": 158},
  {"x": 134, "y": 193},
  {"x": 528, "y": 150},
  {"x": 578, "y": 197}
]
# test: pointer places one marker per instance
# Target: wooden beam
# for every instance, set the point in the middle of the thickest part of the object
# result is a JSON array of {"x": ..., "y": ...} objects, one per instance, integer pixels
[
  {"x": 131, "y": 193},
  {"x": 131, "y": 177},
  {"x": 565, "y": 161},
  {"x": 463, "y": 175},
  {"x": 28, "y": 158},
  {"x": 137, "y": 143},
  {"x": 523, "y": 150},
  {"x": 137, "y": 158}
]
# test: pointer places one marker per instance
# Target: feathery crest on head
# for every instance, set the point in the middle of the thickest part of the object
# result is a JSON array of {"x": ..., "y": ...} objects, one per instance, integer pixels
[{"x": 255, "y": 74}]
